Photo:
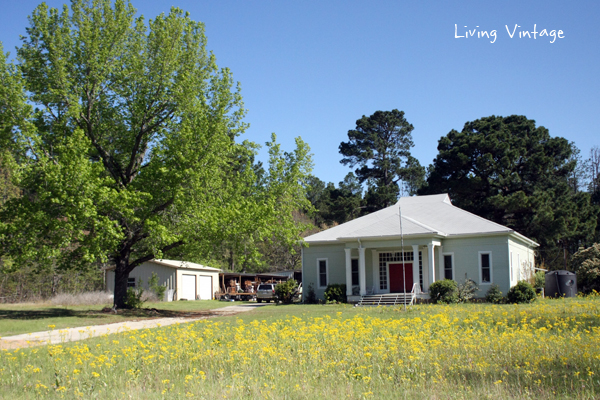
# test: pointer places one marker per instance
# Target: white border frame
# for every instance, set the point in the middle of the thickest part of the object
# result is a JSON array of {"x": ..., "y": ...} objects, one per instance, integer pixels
[
  {"x": 491, "y": 268},
  {"x": 319, "y": 272},
  {"x": 451, "y": 254}
]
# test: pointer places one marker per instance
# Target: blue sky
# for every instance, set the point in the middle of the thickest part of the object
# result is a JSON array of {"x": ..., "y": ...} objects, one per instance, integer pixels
[{"x": 312, "y": 68}]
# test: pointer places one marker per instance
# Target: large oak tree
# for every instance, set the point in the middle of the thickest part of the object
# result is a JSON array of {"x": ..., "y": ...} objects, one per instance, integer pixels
[{"x": 131, "y": 150}]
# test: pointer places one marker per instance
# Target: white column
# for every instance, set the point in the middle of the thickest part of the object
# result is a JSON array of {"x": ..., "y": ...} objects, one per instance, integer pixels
[
  {"x": 362, "y": 276},
  {"x": 375, "y": 264},
  {"x": 416, "y": 264},
  {"x": 348, "y": 272},
  {"x": 431, "y": 264},
  {"x": 441, "y": 263}
]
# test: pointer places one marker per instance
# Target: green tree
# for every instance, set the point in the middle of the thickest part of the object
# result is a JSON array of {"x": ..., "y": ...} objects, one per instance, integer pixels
[
  {"x": 586, "y": 264},
  {"x": 509, "y": 171},
  {"x": 380, "y": 147},
  {"x": 132, "y": 151},
  {"x": 13, "y": 112},
  {"x": 346, "y": 200},
  {"x": 318, "y": 194}
]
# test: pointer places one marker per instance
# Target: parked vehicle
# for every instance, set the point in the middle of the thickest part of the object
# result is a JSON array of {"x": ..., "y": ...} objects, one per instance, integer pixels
[{"x": 266, "y": 292}]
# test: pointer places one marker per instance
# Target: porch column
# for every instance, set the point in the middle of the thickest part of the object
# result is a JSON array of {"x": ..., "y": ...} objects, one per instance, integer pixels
[
  {"x": 431, "y": 262},
  {"x": 441, "y": 262},
  {"x": 416, "y": 264},
  {"x": 375, "y": 264},
  {"x": 362, "y": 276},
  {"x": 348, "y": 272}
]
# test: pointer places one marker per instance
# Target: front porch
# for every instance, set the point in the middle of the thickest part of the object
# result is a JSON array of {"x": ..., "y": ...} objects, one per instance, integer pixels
[{"x": 391, "y": 270}]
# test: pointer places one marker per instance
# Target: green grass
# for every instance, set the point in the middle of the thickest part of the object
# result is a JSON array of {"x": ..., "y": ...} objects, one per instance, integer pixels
[{"x": 16, "y": 319}]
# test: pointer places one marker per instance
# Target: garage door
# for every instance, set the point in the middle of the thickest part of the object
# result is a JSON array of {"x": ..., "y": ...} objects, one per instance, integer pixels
[
  {"x": 205, "y": 287},
  {"x": 188, "y": 287}
]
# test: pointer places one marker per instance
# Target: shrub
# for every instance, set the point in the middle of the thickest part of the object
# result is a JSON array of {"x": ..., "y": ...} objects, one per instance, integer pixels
[
  {"x": 335, "y": 293},
  {"x": 494, "y": 294},
  {"x": 285, "y": 290},
  {"x": 153, "y": 285},
  {"x": 466, "y": 290},
  {"x": 134, "y": 297},
  {"x": 586, "y": 264},
  {"x": 522, "y": 292},
  {"x": 311, "y": 296},
  {"x": 445, "y": 291},
  {"x": 539, "y": 280}
]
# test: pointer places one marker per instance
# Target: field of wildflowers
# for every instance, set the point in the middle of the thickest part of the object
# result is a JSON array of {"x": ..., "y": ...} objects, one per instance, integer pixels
[{"x": 549, "y": 349}]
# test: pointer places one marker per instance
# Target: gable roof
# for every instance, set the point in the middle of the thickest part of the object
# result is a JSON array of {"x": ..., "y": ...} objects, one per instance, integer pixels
[{"x": 432, "y": 215}]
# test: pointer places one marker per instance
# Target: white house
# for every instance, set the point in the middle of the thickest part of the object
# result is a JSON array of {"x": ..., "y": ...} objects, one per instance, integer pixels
[
  {"x": 183, "y": 279},
  {"x": 440, "y": 241}
]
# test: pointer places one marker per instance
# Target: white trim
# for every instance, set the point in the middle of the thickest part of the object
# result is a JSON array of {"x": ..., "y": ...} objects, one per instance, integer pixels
[
  {"x": 511, "y": 277},
  {"x": 491, "y": 268},
  {"x": 319, "y": 272},
  {"x": 451, "y": 254}
]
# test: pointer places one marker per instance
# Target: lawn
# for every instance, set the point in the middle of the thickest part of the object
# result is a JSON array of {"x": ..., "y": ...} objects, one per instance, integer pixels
[
  {"x": 549, "y": 349},
  {"x": 26, "y": 318}
]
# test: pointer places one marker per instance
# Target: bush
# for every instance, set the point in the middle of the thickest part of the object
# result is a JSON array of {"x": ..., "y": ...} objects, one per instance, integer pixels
[
  {"x": 311, "y": 296},
  {"x": 522, "y": 292},
  {"x": 466, "y": 290},
  {"x": 134, "y": 297},
  {"x": 285, "y": 290},
  {"x": 153, "y": 285},
  {"x": 539, "y": 280},
  {"x": 335, "y": 293},
  {"x": 586, "y": 264},
  {"x": 445, "y": 291},
  {"x": 494, "y": 294}
]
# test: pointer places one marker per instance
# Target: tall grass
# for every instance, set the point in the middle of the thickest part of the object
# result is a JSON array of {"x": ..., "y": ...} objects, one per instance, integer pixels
[
  {"x": 81, "y": 299},
  {"x": 545, "y": 350}
]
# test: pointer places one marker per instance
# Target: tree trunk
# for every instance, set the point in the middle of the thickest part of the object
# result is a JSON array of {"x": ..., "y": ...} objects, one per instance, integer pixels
[{"x": 121, "y": 278}]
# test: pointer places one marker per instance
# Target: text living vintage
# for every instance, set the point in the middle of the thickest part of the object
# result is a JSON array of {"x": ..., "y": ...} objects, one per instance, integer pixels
[{"x": 551, "y": 35}]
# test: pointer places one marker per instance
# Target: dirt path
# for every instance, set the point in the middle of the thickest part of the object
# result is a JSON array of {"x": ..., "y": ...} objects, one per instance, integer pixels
[{"x": 86, "y": 332}]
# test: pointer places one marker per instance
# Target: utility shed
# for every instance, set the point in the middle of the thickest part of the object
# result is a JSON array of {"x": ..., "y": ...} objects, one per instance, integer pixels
[{"x": 183, "y": 279}]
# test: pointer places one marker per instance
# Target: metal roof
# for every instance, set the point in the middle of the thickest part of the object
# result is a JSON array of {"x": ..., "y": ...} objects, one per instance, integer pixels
[
  {"x": 183, "y": 264},
  {"x": 432, "y": 215}
]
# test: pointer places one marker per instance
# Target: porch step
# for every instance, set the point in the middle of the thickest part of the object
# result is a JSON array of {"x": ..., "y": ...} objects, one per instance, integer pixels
[{"x": 388, "y": 299}]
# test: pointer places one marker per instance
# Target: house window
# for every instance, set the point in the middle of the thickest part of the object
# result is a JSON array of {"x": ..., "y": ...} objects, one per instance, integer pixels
[
  {"x": 382, "y": 277},
  {"x": 395, "y": 257},
  {"x": 322, "y": 272},
  {"x": 354, "y": 272},
  {"x": 130, "y": 282},
  {"x": 485, "y": 267},
  {"x": 448, "y": 267}
]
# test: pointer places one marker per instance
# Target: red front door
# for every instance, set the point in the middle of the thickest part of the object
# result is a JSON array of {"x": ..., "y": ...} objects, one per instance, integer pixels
[{"x": 401, "y": 276}]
